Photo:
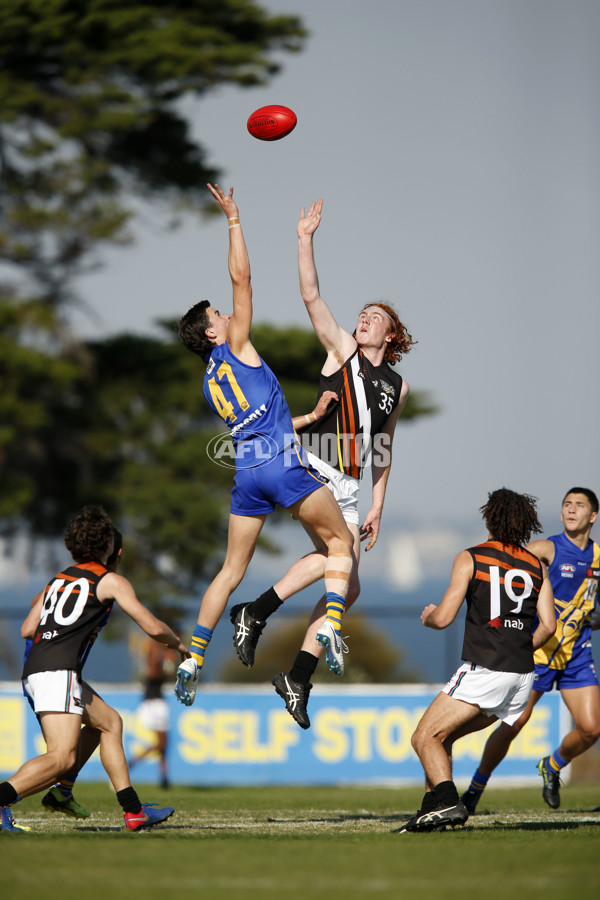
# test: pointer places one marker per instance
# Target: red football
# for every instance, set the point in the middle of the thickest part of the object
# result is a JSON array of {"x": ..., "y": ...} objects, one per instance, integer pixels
[{"x": 271, "y": 123}]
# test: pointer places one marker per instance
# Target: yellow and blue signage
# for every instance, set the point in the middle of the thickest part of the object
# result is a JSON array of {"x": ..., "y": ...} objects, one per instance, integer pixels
[{"x": 243, "y": 735}]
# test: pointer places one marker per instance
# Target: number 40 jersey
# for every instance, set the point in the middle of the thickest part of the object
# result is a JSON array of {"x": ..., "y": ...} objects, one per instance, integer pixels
[{"x": 71, "y": 616}]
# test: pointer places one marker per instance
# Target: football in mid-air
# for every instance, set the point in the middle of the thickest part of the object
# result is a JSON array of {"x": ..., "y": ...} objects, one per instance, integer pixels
[{"x": 271, "y": 123}]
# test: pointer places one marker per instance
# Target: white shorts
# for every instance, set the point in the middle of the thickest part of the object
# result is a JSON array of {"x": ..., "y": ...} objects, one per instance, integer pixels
[
  {"x": 343, "y": 487},
  {"x": 55, "y": 691},
  {"x": 501, "y": 694},
  {"x": 154, "y": 714}
]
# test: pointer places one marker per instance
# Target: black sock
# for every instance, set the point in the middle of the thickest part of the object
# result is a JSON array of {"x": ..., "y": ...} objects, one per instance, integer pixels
[
  {"x": 446, "y": 793},
  {"x": 304, "y": 666},
  {"x": 129, "y": 800},
  {"x": 8, "y": 794},
  {"x": 428, "y": 802},
  {"x": 265, "y": 605}
]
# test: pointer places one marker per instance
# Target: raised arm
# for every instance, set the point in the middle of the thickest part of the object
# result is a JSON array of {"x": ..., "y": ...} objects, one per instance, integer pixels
[
  {"x": 337, "y": 342},
  {"x": 238, "y": 331}
]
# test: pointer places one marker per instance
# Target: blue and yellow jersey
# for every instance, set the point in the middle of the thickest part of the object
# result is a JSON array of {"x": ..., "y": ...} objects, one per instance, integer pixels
[
  {"x": 251, "y": 402},
  {"x": 574, "y": 575}
]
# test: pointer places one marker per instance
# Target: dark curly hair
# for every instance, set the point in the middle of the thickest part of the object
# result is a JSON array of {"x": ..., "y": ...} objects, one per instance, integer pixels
[
  {"x": 511, "y": 518},
  {"x": 89, "y": 534},
  {"x": 192, "y": 330},
  {"x": 402, "y": 340}
]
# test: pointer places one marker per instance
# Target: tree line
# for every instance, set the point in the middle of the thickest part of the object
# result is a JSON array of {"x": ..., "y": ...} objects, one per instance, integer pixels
[{"x": 91, "y": 122}]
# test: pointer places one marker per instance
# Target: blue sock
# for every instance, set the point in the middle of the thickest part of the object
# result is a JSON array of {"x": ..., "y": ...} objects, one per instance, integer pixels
[
  {"x": 200, "y": 641},
  {"x": 478, "y": 782},
  {"x": 557, "y": 762}
]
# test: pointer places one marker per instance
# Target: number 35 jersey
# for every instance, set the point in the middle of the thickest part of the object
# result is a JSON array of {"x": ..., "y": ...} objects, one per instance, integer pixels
[
  {"x": 351, "y": 430},
  {"x": 251, "y": 402},
  {"x": 501, "y": 607},
  {"x": 70, "y": 619},
  {"x": 574, "y": 575}
]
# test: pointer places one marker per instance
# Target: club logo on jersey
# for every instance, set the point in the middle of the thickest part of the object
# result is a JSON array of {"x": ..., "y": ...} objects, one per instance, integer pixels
[
  {"x": 567, "y": 570},
  {"x": 506, "y": 623}
]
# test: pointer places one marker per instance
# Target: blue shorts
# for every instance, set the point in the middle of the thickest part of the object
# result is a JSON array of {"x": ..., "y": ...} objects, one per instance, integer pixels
[
  {"x": 282, "y": 480},
  {"x": 577, "y": 674}
]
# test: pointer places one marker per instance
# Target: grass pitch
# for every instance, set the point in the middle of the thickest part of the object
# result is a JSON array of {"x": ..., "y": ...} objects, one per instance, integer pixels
[{"x": 306, "y": 842}]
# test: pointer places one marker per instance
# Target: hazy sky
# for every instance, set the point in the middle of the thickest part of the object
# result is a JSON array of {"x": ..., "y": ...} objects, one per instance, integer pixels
[{"x": 455, "y": 144}]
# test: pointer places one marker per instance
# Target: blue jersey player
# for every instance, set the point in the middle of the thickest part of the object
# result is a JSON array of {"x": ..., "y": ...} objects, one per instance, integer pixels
[
  {"x": 271, "y": 467},
  {"x": 565, "y": 661}
]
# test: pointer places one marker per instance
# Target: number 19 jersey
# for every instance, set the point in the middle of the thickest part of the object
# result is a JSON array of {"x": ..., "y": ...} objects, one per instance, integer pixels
[{"x": 501, "y": 607}]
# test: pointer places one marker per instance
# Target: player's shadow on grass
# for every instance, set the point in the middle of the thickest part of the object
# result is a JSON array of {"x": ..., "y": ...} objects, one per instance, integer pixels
[
  {"x": 552, "y": 825},
  {"x": 343, "y": 817}
]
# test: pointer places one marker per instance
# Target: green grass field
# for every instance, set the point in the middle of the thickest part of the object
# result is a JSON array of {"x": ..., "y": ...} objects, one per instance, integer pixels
[{"x": 306, "y": 843}]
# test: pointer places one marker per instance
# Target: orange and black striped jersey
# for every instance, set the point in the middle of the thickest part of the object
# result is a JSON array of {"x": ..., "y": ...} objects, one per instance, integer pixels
[
  {"x": 71, "y": 615},
  {"x": 350, "y": 432},
  {"x": 501, "y": 607}
]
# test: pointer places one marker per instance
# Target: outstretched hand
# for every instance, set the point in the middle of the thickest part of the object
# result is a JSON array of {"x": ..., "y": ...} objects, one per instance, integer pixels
[
  {"x": 225, "y": 201},
  {"x": 309, "y": 222}
]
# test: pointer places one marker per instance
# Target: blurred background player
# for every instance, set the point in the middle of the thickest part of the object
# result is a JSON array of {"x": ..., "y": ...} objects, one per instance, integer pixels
[
  {"x": 565, "y": 661},
  {"x": 356, "y": 429},
  {"x": 69, "y": 613},
  {"x": 153, "y": 712},
  {"x": 271, "y": 468},
  {"x": 506, "y": 587}
]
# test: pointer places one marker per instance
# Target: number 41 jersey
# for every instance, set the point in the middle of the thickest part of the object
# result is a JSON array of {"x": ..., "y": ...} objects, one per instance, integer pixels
[
  {"x": 501, "y": 607},
  {"x": 251, "y": 402},
  {"x": 71, "y": 613}
]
